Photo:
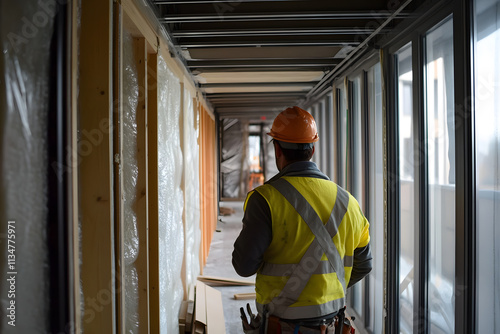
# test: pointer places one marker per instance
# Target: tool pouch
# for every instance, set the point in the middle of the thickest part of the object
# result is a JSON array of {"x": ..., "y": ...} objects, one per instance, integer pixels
[
  {"x": 276, "y": 326},
  {"x": 347, "y": 328}
]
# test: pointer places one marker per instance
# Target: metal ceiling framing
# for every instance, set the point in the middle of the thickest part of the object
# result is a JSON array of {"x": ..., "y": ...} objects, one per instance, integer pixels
[{"x": 253, "y": 58}]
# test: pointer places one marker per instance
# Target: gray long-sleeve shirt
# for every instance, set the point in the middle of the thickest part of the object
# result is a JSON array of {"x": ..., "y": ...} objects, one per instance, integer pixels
[{"x": 256, "y": 234}]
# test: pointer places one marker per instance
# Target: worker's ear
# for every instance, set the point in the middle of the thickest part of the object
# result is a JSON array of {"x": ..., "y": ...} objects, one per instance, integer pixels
[{"x": 313, "y": 151}]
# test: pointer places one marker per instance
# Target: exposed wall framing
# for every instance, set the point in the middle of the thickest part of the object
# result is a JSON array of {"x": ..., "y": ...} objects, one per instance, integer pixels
[
  {"x": 102, "y": 181},
  {"x": 96, "y": 170}
]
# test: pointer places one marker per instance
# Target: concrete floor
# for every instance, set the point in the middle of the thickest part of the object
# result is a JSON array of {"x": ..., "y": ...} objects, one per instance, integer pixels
[{"x": 219, "y": 264}]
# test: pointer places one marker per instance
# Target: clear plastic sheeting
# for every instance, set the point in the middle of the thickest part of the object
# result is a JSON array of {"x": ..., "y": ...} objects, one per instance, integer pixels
[
  {"x": 26, "y": 31},
  {"x": 271, "y": 168},
  {"x": 192, "y": 190},
  {"x": 129, "y": 172},
  {"x": 170, "y": 198},
  {"x": 234, "y": 167}
]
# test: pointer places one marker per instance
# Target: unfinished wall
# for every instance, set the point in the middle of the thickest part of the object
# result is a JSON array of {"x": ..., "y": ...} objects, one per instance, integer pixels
[
  {"x": 170, "y": 198},
  {"x": 141, "y": 196},
  {"x": 24, "y": 166}
]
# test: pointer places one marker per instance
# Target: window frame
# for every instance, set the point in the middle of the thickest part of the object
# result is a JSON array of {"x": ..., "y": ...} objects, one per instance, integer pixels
[{"x": 465, "y": 268}]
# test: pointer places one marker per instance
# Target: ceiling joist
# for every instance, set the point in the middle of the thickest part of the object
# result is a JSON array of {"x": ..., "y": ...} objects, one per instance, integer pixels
[{"x": 253, "y": 58}]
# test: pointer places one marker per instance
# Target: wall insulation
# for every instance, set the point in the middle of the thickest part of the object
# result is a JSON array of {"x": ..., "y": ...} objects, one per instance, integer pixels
[
  {"x": 170, "y": 198},
  {"x": 191, "y": 190},
  {"x": 25, "y": 34},
  {"x": 129, "y": 173}
]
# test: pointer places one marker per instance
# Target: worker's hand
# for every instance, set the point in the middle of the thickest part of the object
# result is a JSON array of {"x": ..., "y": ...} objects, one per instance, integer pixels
[{"x": 252, "y": 326}]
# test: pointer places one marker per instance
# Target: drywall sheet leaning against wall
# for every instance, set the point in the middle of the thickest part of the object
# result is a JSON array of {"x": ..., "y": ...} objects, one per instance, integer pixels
[
  {"x": 129, "y": 174},
  {"x": 191, "y": 190},
  {"x": 24, "y": 100},
  {"x": 170, "y": 198}
]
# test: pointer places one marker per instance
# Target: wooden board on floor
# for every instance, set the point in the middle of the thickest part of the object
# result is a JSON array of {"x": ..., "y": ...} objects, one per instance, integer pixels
[
  {"x": 242, "y": 296},
  {"x": 223, "y": 281}
]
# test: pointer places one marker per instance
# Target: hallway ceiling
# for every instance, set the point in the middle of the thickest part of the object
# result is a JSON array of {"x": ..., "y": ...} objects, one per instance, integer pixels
[{"x": 253, "y": 58}]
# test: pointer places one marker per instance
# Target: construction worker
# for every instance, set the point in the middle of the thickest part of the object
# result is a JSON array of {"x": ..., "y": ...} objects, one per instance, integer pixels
[{"x": 305, "y": 237}]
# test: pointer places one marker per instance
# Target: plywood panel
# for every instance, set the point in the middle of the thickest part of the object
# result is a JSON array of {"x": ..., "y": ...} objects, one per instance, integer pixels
[{"x": 200, "y": 306}]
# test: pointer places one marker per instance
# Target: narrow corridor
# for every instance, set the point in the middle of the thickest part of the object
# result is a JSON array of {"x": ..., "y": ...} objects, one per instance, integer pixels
[
  {"x": 125, "y": 125},
  {"x": 219, "y": 264}
]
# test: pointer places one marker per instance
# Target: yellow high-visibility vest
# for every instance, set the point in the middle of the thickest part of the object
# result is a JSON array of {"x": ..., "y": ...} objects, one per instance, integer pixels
[{"x": 316, "y": 227}]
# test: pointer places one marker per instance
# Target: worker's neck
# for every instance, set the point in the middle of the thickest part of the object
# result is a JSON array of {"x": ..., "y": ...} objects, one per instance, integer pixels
[{"x": 287, "y": 163}]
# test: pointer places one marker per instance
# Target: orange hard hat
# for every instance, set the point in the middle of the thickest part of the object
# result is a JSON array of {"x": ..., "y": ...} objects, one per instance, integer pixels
[{"x": 294, "y": 125}]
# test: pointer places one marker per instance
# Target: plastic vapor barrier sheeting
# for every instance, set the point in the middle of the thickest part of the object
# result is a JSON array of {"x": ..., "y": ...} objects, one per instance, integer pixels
[
  {"x": 170, "y": 198},
  {"x": 25, "y": 35},
  {"x": 271, "y": 168},
  {"x": 129, "y": 172},
  {"x": 233, "y": 166},
  {"x": 192, "y": 190}
]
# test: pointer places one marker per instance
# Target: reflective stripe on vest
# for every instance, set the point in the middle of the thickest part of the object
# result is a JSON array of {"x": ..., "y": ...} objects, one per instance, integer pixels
[{"x": 299, "y": 274}]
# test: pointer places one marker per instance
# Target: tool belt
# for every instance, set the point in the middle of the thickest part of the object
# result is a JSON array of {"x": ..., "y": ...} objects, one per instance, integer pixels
[{"x": 337, "y": 324}]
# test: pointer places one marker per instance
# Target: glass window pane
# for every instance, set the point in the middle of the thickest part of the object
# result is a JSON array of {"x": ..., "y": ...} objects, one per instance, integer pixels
[
  {"x": 342, "y": 124},
  {"x": 330, "y": 132},
  {"x": 487, "y": 122},
  {"x": 357, "y": 177},
  {"x": 375, "y": 214},
  {"x": 357, "y": 142},
  {"x": 323, "y": 133},
  {"x": 406, "y": 163},
  {"x": 441, "y": 173}
]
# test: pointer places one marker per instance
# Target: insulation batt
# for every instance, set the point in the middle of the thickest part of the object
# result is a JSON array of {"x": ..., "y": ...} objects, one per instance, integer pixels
[
  {"x": 170, "y": 197},
  {"x": 191, "y": 190},
  {"x": 129, "y": 173}
]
